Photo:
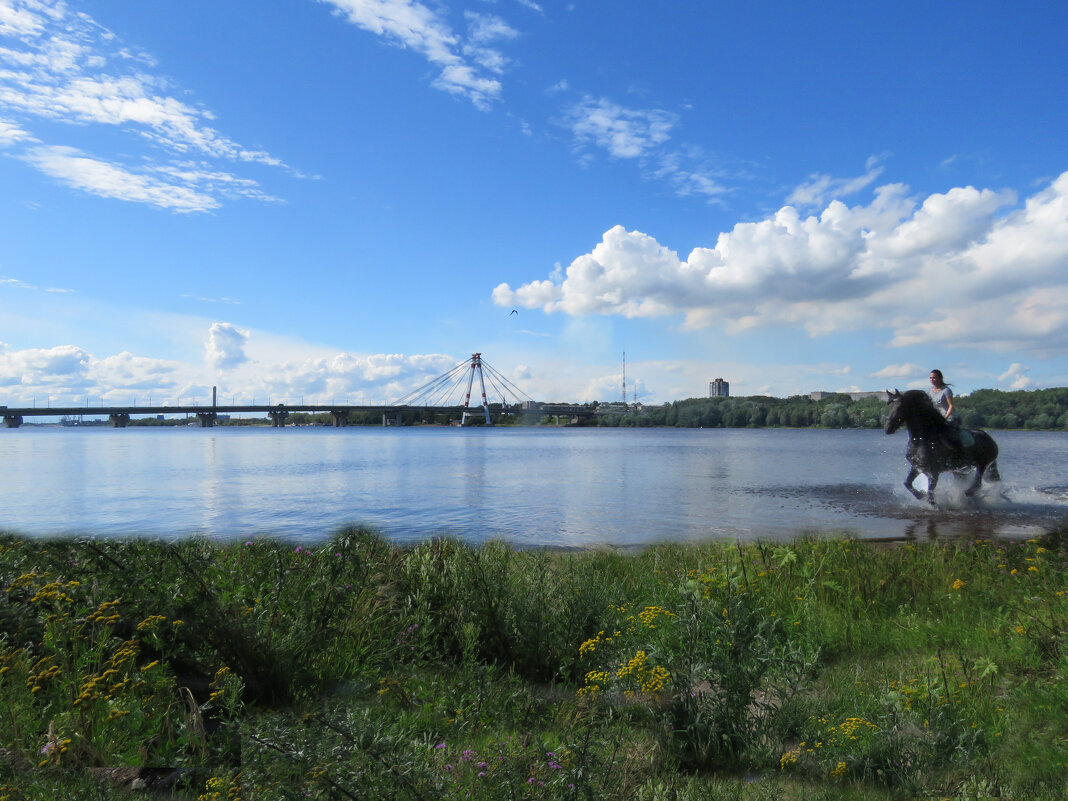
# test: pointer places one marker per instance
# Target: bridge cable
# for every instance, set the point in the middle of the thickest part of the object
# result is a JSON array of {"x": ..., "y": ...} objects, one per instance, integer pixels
[
  {"x": 504, "y": 380},
  {"x": 441, "y": 390},
  {"x": 431, "y": 387}
]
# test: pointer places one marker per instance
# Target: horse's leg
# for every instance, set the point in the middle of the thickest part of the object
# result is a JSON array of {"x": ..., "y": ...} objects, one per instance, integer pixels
[
  {"x": 908, "y": 482},
  {"x": 976, "y": 482},
  {"x": 932, "y": 482}
]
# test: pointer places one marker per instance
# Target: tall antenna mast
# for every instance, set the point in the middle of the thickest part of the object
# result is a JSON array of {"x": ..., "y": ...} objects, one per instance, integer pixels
[{"x": 624, "y": 378}]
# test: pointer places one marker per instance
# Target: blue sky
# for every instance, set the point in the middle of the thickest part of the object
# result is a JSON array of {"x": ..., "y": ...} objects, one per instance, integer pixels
[{"x": 342, "y": 199}]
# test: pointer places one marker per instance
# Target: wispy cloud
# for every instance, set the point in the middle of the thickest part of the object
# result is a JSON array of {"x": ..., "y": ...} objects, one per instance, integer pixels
[
  {"x": 820, "y": 188},
  {"x": 15, "y": 283},
  {"x": 688, "y": 172},
  {"x": 59, "y": 65},
  {"x": 1016, "y": 377},
  {"x": 113, "y": 181},
  {"x": 625, "y": 133},
  {"x": 204, "y": 299},
  {"x": 10, "y": 133},
  {"x": 643, "y": 135},
  {"x": 892, "y": 371},
  {"x": 468, "y": 68}
]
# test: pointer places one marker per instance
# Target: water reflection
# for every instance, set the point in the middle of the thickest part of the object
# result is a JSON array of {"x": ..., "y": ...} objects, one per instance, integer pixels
[{"x": 530, "y": 486}]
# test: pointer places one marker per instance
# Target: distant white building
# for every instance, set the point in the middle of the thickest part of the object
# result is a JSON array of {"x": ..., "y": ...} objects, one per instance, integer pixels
[{"x": 719, "y": 389}]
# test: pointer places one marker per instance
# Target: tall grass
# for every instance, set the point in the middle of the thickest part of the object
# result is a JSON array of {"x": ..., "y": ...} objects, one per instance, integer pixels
[{"x": 821, "y": 668}]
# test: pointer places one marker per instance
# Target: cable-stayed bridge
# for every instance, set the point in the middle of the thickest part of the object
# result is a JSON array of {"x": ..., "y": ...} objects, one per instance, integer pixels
[{"x": 447, "y": 395}]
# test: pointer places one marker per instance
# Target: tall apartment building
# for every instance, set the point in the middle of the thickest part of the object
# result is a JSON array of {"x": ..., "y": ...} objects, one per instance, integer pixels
[{"x": 719, "y": 389}]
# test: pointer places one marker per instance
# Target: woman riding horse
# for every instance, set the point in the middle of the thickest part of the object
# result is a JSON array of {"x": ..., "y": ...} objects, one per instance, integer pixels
[{"x": 930, "y": 450}]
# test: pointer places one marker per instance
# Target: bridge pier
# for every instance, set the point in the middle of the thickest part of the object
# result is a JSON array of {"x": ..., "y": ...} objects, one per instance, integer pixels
[
  {"x": 12, "y": 420},
  {"x": 278, "y": 417},
  {"x": 391, "y": 420},
  {"x": 119, "y": 419},
  {"x": 340, "y": 419},
  {"x": 207, "y": 419}
]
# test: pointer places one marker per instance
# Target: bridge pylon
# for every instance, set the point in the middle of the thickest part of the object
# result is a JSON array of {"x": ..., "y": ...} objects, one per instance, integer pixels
[
  {"x": 444, "y": 392},
  {"x": 476, "y": 365}
]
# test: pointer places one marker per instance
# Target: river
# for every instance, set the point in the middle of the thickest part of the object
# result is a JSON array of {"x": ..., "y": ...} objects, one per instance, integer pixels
[{"x": 529, "y": 486}]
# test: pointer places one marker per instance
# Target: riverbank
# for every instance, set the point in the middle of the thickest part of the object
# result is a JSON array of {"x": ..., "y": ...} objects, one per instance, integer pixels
[{"x": 259, "y": 669}]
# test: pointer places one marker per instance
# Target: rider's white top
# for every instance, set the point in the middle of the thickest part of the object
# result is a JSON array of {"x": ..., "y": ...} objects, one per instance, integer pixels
[{"x": 941, "y": 399}]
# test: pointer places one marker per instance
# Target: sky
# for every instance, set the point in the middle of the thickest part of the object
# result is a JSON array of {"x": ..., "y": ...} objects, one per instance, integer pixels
[{"x": 339, "y": 200}]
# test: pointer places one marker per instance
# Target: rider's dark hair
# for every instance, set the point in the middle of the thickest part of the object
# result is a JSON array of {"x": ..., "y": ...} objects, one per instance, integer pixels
[{"x": 941, "y": 380}]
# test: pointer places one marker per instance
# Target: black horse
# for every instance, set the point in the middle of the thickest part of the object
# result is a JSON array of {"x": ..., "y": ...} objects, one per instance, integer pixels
[{"x": 934, "y": 447}]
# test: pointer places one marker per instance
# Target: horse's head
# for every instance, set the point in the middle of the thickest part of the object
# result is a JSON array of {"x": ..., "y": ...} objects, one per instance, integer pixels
[
  {"x": 912, "y": 405},
  {"x": 894, "y": 418}
]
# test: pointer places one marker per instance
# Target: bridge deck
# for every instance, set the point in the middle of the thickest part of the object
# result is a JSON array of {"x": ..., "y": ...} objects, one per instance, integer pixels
[{"x": 13, "y": 416}]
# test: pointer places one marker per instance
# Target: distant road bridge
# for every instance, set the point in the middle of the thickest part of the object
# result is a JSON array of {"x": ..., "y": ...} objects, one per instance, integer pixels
[
  {"x": 120, "y": 416},
  {"x": 439, "y": 396}
]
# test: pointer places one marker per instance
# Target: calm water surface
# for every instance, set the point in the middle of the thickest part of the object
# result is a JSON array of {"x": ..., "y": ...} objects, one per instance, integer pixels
[{"x": 531, "y": 486}]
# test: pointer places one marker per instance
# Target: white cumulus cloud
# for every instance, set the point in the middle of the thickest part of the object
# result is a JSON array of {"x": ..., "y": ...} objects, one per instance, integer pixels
[
  {"x": 225, "y": 348},
  {"x": 63, "y": 366},
  {"x": 940, "y": 270}
]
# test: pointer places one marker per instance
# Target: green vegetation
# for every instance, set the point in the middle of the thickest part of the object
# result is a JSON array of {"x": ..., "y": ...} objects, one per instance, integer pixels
[
  {"x": 818, "y": 669},
  {"x": 1042, "y": 409}
]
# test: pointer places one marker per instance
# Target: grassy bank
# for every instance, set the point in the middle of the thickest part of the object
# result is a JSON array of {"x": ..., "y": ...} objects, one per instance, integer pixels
[{"x": 819, "y": 669}]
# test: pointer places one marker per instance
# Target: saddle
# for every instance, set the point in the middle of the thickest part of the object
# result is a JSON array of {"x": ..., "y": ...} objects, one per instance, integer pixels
[{"x": 957, "y": 438}]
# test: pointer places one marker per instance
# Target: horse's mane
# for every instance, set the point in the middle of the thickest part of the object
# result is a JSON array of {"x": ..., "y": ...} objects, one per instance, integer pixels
[{"x": 919, "y": 403}]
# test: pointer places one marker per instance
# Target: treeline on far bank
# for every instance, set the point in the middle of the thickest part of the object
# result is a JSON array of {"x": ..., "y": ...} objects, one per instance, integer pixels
[{"x": 1042, "y": 409}]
